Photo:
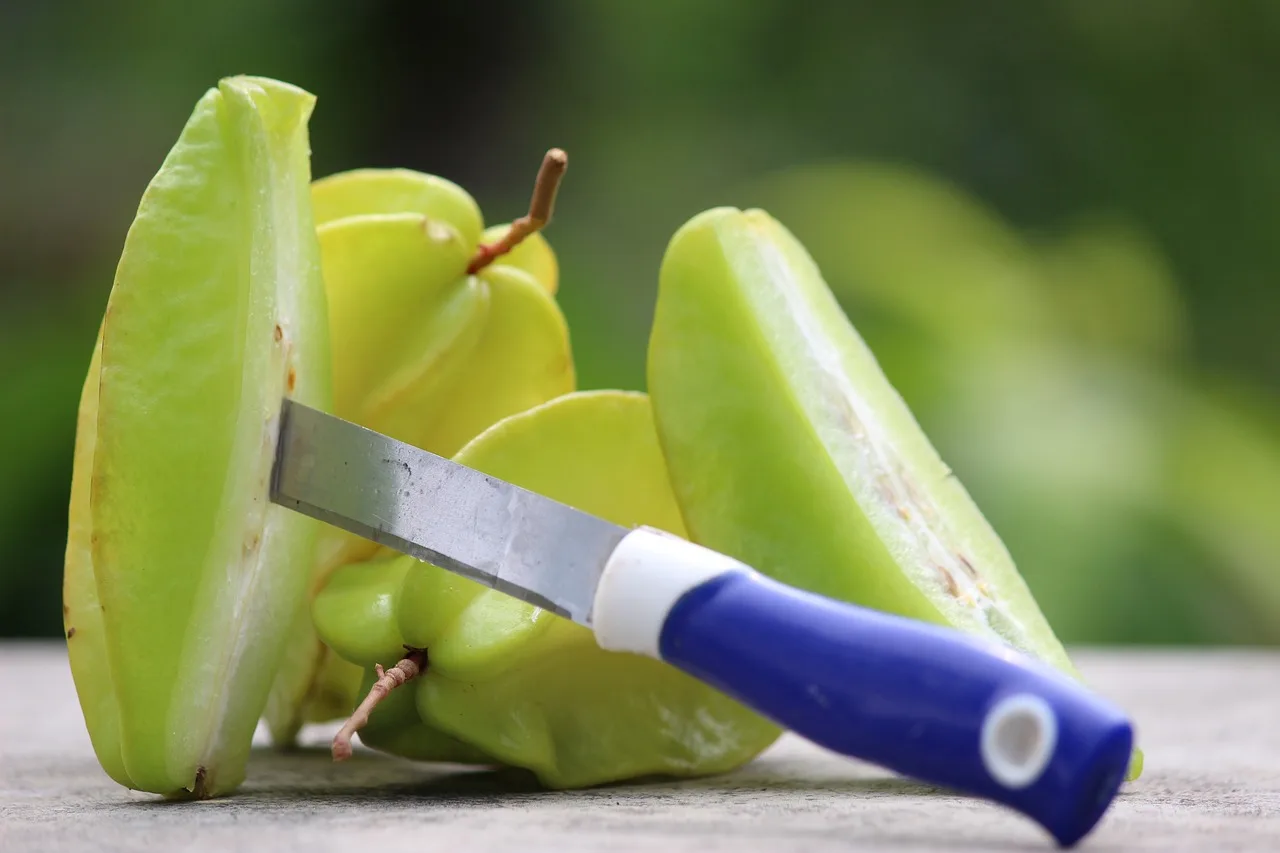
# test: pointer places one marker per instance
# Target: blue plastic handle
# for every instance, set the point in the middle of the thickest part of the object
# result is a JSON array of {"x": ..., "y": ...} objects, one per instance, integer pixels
[{"x": 921, "y": 700}]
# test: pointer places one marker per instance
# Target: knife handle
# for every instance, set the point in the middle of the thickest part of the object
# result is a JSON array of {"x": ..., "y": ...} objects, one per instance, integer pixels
[{"x": 925, "y": 701}]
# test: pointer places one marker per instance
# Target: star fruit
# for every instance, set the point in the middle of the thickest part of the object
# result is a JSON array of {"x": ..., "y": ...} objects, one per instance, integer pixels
[
  {"x": 423, "y": 351},
  {"x": 178, "y": 568},
  {"x": 506, "y": 682},
  {"x": 789, "y": 449}
]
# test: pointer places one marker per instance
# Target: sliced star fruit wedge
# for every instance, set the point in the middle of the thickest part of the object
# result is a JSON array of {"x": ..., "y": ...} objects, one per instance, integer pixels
[
  {"x": 516, "y": 684},
  {"x": 178, "y": 567},
  {"x": 789, "y": 449}
]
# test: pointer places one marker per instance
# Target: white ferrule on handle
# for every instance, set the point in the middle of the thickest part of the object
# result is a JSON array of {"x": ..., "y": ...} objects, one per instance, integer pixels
[{"x": 646, "y": 575}]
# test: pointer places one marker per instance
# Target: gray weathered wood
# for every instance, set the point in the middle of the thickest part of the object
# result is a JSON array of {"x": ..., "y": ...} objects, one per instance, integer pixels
[{"x": 1210, "y": 722}]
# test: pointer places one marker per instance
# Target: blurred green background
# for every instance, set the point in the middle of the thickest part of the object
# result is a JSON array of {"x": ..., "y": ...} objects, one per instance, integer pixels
[{"x": 1055, "y": 223}]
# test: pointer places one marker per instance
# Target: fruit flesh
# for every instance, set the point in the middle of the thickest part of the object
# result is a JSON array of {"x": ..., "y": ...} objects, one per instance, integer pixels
[
  {"x": 528, "y": 688},
  {"x": 216, "y": 312}
]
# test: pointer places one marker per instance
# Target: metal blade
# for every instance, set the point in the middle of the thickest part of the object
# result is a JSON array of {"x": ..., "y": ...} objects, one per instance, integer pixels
[{"x": 478, "y": 526}]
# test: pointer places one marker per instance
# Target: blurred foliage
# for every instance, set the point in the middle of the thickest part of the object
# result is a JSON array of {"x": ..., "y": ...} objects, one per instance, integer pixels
[{"x": 1053, "y": 223}]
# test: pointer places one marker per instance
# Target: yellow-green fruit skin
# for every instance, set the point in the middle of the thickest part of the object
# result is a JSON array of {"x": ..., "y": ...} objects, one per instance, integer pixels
[
  {"x": 360, "y": 599},
  {"x": 217, "y": 312},
  {"x": 366, "y": 192},
  {"x": 534, "y": 690},
  {"x": 81, "y": 609},
  {"x": 525, "y": 687}
]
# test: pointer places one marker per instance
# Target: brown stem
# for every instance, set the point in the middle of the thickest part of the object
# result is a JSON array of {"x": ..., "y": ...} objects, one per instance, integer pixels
[
  {"x": 541, "y": 206},
  {"x": 413, "y": 664}
]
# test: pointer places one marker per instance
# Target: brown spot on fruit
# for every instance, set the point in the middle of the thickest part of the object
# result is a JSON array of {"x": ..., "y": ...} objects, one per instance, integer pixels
[
  {"x": 292, "y": 378},
  {"x": 952, "y": 587},
  {"x": 198, "y": 788},
  {"x": 71, "y": 632},
  {"x": 968, "y": 566},
  {"x": 66, "y": 611},
  {"x": 279, "y": 333}
]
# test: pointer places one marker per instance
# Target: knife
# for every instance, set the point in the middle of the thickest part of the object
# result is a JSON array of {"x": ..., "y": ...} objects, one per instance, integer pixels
[{"x": 925, "y": 701}]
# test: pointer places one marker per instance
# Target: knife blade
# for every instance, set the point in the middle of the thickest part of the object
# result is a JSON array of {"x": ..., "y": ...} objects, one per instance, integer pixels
[
  {"x": 478, "y": 526},
  {"x": 925, "y": 701}
]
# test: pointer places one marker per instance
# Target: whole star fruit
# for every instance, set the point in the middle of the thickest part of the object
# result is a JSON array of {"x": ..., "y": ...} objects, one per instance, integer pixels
[
  {"x": 409, "y": 327},
  {"x": 519, "y": 685},
  {"x": 178, "y": 567},
  {"x": 789, "y": 449},
  {"x": 422, "y": 352}
]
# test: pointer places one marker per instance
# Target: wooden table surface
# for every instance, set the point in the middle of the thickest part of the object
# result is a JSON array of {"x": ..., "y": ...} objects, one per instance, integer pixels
[{"x": 1209, "y": 722}]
